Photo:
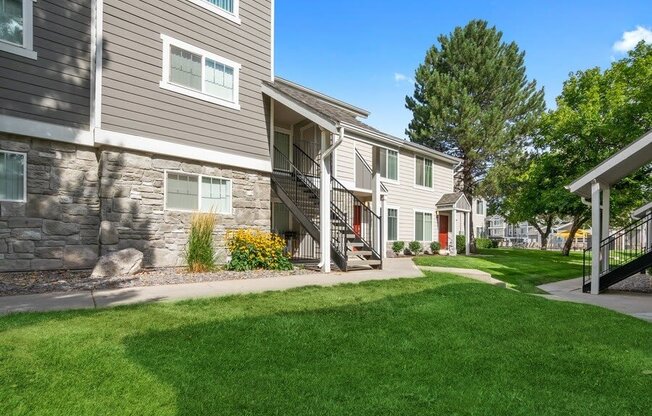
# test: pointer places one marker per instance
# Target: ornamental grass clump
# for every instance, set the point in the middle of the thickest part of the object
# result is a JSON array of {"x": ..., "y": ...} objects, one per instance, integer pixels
[
  {"x": 255, "y": 249},
  {"x": 200, "y": 252}
]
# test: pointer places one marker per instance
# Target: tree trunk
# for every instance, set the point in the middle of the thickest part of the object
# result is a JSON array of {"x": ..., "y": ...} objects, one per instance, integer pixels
[
  {"x": 578, "y": 221},
  {"x": 544, "y": 233}
]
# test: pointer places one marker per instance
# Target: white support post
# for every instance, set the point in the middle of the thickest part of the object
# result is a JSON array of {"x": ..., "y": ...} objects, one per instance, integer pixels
[
  {"x": 271, "y": 130},
  {"x": 375, "y": 194},
  {"x": 383, "y": 244},
  {"x": 595, "y": 238},
  {"x": 605, "y": 225},
  {"x": 325, "y": 207},
  {"x": 467, "y": 233},
  {"x": 453, "y": 243}
]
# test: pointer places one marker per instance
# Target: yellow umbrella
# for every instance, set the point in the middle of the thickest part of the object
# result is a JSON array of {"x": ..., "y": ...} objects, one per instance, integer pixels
[{"x": 578, "y": 234}]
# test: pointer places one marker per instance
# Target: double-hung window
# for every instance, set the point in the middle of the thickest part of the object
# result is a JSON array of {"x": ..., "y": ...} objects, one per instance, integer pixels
[
  {"x": 480, "y": 207},
  {"x": 13, "y": 174},
  {"x": 16, "y": 27},
  {"x": 226, "y": 8},
  {"x": 423, "y": 172},
  {"x": 389, "y": 164},
  {"x": 392, "y": 224},
  {"x": 423, "y": 226},
  {"x": 184, "y": 192},
  {"x": 200, "y": 74}
]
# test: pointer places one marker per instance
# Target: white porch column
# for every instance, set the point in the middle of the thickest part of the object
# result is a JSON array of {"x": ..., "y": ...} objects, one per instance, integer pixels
[
  {"x": 375, "y": 194},
  {"x": 271, "y": 130},
  {"x": 605, "y": 224},
  {"x": 325, "y": 206},
  {"x": 595, "y": 238},
  {"x": 453, "y": 244},
  {"x": 383, "y": 223},
  {"x": 467, "y": 233}
]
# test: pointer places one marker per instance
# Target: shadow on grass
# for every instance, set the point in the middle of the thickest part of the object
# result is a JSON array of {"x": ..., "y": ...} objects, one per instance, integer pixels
[{"x": 460, "y": 348}]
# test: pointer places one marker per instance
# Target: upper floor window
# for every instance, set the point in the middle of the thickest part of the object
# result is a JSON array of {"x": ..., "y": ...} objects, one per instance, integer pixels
[
  {"x": 13, "y": 169},
  {"x": 225, "y": 8},
  {"x": 480, "y": 207},
  {"x": 192, "y": 71},
  {"x": 16, "y": 27},
  {"x": 389, "y": 164},
  {"x": 423, "y": 172}
]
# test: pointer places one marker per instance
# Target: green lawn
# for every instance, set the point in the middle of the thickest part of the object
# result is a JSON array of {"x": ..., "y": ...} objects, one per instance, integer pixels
[
  {"x": 521, "y": 268},
  {"x": 435, "y": 345}
]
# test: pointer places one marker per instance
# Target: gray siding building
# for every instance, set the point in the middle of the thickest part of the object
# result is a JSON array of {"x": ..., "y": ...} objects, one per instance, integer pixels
[{"x": 118, "y": 119}]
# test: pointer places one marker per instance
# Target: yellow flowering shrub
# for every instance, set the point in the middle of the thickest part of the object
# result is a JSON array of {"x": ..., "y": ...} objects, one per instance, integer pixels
[{"x": 255, "y": 249}]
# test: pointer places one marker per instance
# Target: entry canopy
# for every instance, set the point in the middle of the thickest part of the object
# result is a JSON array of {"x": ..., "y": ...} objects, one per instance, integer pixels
[
  {"x": 454, "y": 201},
  {"x": 618, "y": 166}
]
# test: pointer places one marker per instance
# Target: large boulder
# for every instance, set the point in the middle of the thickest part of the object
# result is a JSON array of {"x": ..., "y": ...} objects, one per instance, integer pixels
[{"x": 119, "y": 263}]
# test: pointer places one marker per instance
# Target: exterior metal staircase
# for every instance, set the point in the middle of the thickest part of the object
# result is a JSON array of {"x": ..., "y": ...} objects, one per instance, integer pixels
[
  {"x": 623, "y": 254},
  {"x": 355, "y": 229}
]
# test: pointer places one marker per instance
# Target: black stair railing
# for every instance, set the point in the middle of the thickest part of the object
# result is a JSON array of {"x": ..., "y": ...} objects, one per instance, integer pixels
[
  {"x": 620, "y": 248},
  {"x": 297, "y": 186},
  {"x": 349, "y": 215}
]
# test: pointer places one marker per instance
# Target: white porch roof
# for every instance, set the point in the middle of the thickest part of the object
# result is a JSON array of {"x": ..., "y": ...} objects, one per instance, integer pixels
[
  {"x": 454, "y": 201},
  {"x": 618, "y": 166}
]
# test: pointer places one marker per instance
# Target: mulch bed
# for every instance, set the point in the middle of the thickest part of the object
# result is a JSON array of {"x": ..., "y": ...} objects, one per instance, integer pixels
[{"x": 23, "y": 283}]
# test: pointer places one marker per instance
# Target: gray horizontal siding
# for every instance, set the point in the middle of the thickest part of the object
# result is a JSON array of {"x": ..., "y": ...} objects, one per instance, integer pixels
[
  {"x": 54, "y": 88},
  {"x": 133, "y": 101}
]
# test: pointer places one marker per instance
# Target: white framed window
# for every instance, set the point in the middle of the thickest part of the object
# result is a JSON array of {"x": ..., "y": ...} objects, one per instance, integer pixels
[
  {"x": 17, "y": 27},
  {"x": 389, "y": 164},
  {"x": 423, "y": 172},
  {"x": 187, "y": 192},
  {"x": 200, "y": 74},
  {"x": 13, "y": 176},
  {"x": 229, "y": 9},
  {"x": 480, "y": 207},
  {"x": 392, "y": 224},
  {"x": 422, "y": 226}
]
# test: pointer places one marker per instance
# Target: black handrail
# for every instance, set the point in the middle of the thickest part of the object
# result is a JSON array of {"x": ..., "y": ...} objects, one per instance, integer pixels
[{"x": 619, "y": 248}]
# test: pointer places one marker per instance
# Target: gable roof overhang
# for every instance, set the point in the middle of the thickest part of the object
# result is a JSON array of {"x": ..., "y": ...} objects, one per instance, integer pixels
[
  {"x": 642, "y": 211},
  {"x": 615, "y": 168},
  {"x": 453, "y": 201},
  {"x": 301, "y": 108}
]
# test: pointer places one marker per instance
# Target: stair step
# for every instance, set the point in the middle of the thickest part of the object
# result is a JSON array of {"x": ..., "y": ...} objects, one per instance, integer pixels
[
  {"x": 364, "y": 263},
  {"x": 355, "y": 253}
]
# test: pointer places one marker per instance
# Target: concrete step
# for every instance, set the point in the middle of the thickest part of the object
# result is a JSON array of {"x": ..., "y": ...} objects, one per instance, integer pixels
[{"x": 355, "y": 263}]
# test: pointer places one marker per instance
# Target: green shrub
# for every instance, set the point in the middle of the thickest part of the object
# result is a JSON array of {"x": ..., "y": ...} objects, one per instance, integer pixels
[
  {"x": 460, "y": 243},
  {"x": 483, "y": 243},
  {"x": 435, "y": 247},
  {"x": 494, "y": 243},
  {"x": 255, "y": 249},
  {"x": 398, "y": 247},
  {"x": 415, "y": 247},
  {"x": 200, "y": 252}
]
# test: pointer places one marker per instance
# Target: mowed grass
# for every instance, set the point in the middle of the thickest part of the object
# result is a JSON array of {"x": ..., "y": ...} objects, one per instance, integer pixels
[
  {"x": 522, "y": 269},
  {"x": 435, "y": 345}
]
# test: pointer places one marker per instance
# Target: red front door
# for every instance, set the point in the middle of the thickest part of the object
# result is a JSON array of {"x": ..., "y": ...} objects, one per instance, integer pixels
[
  {"x": 443, "y": 231},
  {"x": 357, "y": 219}
]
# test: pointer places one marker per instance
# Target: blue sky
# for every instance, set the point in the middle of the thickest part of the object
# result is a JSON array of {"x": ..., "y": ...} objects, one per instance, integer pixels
[{"x": 365, "y": 52}]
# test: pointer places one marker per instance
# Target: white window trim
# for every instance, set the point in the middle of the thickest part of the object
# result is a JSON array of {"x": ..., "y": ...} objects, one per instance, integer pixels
[
  {"x": 416, "y": 185},
  {"x": 398, "y": 222},
  {"x": 199, "y": 181},
  {"x": 414, "y": 220},
  {"x": 398, "y": 166},
  {"x": 166, "y": 84},
  {"x": 24, "y": 199},
  {"x": 27, "y": 48},
  {"x": 234, "y": 17}
]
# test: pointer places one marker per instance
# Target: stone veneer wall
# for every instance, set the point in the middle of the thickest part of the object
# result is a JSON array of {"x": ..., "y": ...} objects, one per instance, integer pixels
[{"x": 83, "y": 202}]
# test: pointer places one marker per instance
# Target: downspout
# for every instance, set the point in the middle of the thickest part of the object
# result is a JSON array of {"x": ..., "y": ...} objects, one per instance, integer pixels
[{"x": 325, "y": 242}]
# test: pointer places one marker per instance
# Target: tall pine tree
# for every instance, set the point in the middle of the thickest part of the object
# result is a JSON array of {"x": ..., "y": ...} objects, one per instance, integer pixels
[{"x": 472, "y": 100}]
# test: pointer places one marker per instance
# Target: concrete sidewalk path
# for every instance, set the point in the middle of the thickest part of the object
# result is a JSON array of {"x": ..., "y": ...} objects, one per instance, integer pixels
[
  {"x": 393, "y": 269},
  {"x": 474, "y": 274},
  {"x": 638, "y": 305}
]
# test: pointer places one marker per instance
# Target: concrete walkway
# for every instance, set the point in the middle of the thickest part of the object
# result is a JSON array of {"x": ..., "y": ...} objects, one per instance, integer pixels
[
  {"x": 393, "y": 268},
  {"x": 638, "y": 305}
]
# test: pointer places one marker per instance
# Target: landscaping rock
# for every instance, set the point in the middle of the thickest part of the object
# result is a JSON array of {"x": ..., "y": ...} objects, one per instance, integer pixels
[{"x": 120, "y": 263}]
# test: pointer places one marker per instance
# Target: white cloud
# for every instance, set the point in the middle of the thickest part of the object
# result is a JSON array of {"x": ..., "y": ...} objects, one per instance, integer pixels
[
  {"x": 398, "y": 77},
  {"x": 632, "y": 38}
]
